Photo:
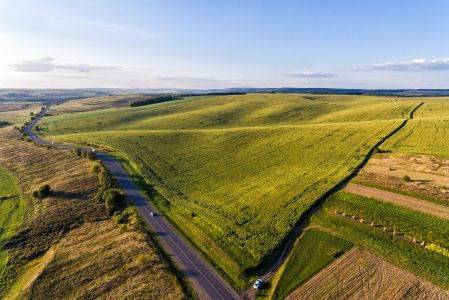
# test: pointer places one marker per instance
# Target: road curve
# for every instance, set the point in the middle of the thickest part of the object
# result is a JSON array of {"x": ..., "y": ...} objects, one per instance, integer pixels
[{"x": 206, "y": 281}]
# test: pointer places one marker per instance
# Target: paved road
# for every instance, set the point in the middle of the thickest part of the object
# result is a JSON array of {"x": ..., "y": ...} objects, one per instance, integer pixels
[
  {"x": 206, "y": 281},
  {"x": 413, "y": 203}
]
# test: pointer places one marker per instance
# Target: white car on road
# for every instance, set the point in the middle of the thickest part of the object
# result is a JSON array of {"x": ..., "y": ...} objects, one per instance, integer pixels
[{"x": 258, "y": 284}]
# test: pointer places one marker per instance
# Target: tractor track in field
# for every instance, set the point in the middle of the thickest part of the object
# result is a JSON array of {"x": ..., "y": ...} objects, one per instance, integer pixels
[{"x": 287, "y": 245}]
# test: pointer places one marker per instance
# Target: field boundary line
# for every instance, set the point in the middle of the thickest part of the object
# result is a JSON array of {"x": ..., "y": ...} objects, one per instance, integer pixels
[{"x": 289, "y": 240}]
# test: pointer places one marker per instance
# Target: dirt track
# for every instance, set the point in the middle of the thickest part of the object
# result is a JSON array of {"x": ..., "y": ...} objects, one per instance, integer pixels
[
  {"x": 402, "y": 200},
  {"x": 362, "y": 275}
]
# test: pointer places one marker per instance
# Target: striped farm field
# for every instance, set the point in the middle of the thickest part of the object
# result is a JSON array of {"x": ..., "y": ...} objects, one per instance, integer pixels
[
  {"x": 427, "y": 132},
  {"x": 238, "y": 172}
]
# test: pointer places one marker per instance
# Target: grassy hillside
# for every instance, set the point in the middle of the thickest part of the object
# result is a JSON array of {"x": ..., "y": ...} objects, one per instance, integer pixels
[
  {"x": 239, "y": 171},
  {"x": 67, "y": 245},
  {"x": 12, "y": 210},
  {"x": 427, "y": 133}
]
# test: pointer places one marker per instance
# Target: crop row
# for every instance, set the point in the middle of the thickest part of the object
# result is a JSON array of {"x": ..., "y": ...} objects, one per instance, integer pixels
[
  {"x": 414, "y": 224},
  {"x": 426, "y": 262}
]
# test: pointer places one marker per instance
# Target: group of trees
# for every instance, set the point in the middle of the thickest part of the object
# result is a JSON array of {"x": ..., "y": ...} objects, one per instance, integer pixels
[
  {"x": 86, "y": 154},
  {"x": 154, "y": 100},
  {"x": 108, "y": 193},
  {"x": 43, "y": 192}
]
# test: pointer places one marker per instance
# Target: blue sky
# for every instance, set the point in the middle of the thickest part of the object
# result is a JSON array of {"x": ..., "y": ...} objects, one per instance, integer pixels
[{"x": 216, "y": 44}]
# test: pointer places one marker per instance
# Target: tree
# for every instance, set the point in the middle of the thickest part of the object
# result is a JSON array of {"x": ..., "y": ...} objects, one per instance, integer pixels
[
  {"x": 91, "y": 155},
  {"x": 105, "y": 179},
  {"x": 114, "y": 200},
  {"x": 407, "y": 178},
  {"x": 77, "y": 151},
  {"x": 31, "y": 114},
  {"x": 44, "y": 191}
]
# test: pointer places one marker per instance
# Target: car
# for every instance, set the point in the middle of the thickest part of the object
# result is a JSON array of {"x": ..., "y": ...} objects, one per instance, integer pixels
[
  {"x": 152, "y": 213},
  {"x": 258, "y": 284}
]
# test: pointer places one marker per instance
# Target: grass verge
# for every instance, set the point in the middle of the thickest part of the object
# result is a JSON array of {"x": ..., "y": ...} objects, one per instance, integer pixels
[{"x": 315, "y": 250}]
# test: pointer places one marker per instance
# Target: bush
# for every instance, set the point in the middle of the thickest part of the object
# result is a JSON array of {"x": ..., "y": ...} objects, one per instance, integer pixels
[
  {"x": 44, "y": 191},
  {"x": 114, "y": 200},
  {"x": 105, "y": 179},
  {"x": 407, "y": 178},
  {"x": 96, "y": 168},
  {"x": 77, "y": 151},
  {"x": 91, "y": 155},
  {"x": 143, "y": 260},
  {"x": 124, "y": 216},
  {"x": 123, "y": 228}
]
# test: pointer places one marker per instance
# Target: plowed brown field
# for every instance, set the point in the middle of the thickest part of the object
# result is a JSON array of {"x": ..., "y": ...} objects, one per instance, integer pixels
[{"x": 362, "y": 275}]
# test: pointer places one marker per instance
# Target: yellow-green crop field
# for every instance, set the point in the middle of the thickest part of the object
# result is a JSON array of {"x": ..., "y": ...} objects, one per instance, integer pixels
[
  {"x": 427, "y": 133},
  {"x": 239, "y": 171}
]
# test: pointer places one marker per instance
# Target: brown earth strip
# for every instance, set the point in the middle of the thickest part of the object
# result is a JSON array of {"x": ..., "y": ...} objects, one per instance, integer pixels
[{"x": 398, "y": 199}]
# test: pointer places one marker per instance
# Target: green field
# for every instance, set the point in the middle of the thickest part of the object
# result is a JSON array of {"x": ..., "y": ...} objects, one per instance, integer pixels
[
  {"x": 12, "y": 209},
  {"x": 314, "y": 251},
  {"x": 427, "y": 133},
  {"x": 415, "y": 224},
  {"x": 239, "y": 171},
  {"x": 425, "y": 262}
]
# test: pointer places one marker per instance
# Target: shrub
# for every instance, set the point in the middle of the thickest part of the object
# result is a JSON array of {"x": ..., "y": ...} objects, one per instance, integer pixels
[
  {"x": 77, "y": 151},
  {"x": 44, "y": 191},
  {"x": 407, "y": 178},
  {"x": 91, "y": 155},
  {"x": 124, "y": 216},
  {"x": 105, "y": 179},
  {"x": 114, "y": 200},
  {"x": 96, "y": 168},
  {"x": 123, "y": 228},
  {"x": 143, "y": 259}
]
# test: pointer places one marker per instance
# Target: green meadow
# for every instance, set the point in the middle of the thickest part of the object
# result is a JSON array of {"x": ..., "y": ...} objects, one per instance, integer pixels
[
  {"x": 12, "y": 209},
  {"x": 239, "y": 171},
  {"x": 315, "y": 250}
]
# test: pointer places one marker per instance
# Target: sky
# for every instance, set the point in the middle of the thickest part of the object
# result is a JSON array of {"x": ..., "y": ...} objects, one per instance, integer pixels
[{"x": 221, "y": 44}]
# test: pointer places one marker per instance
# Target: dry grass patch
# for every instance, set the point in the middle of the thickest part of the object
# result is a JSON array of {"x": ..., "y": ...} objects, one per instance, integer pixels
[
  {"x": 429, "y": 175},
  {"x": 97, "y": 261},
  {"x": 92, "y": 257}
]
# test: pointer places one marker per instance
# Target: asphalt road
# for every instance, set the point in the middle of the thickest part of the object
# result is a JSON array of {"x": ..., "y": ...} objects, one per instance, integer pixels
[{"x": 205, "y": 280}]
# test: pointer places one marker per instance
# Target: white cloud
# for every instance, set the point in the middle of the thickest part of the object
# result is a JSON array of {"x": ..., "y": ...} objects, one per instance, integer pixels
[
  {"x": 186, "y": 79},
  {"x": 421, "y": 64},
  {"x": 306, "y": 74},
  {"x": 46, "y": 64}
]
